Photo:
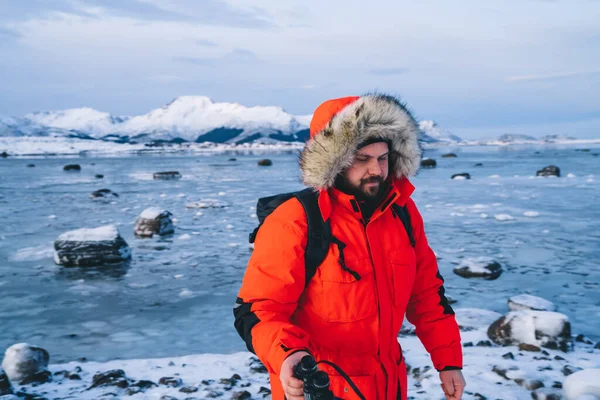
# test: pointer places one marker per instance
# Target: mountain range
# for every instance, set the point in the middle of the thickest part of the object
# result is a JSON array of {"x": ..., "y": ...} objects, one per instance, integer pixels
[{"x": 185, "y": 119}]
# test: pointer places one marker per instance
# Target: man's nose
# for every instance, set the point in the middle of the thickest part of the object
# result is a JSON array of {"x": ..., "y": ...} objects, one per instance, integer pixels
[{"x": 374, "y": 168}]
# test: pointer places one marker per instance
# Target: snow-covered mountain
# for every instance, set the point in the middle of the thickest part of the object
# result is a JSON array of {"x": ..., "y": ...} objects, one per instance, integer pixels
[
  {"x": 432, "y": 133},
  {"x": 185, "y": 119}
]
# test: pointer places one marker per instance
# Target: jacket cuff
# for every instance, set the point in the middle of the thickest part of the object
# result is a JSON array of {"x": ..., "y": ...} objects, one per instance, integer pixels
[
  {"x": 447, "y": 357},
  {"x": 280, "y": 353}
]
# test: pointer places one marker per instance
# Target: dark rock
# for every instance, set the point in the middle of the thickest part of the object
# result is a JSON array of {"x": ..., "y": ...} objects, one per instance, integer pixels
[
  {"x": 529, "y": 347},
  {"x": 559, "y": 358},
  {"x": 479, "y": 396},
  {"x": 265, "y": 162},
  {"x": 131, "y": 391},
  {"x": 188, "y": 389},
  {"x": 545, "y": 367},
  {"x": 153, "y": 221},
  {"x": 468, "y": 344},
  {"x": 557, "y": 385},
  {"x": 30, "y": 165},
  {"x": 493, "y": 271},
  {"x": 551, "y": 170},
  {"x": 583, "y": 339},
  {"x": 165, "y": 397},
  {"x": 568, "y": 370},
  {"x": 38, "y": 378},
  {"x": 30, "y": 396},
  {"x": 73, "y": 377},
  {"x": 508, "y": 356},
  {"x": 597, "y": 346},
  {"x": 530, "y": 384},
  {"x": 170, "y": 381},
  {"x": 264, "y": 391},
  {"x": 428, "y": 163},
  {"x": 167, "y": 175},
  {"x": 484, "y": 343},
  {"x": 99, "y": 176},
  {"x": 449, "y": 155},
  {"x": 114, "y": 377},
  {"x": 71, "y": 248},
  {"x": 213, "y": 394},
  {"x": 257, "y": 366},
  {"x": 478, "y": 164},
  {"x": 5, "y": 386},
  {"x": 4, "y": 154},
  {"x": 103, "y": 194},
  {"x": 144, "y": 384},
  {"x": 72, "y": 167},
  {"x": 23, "y": 361},
  {"x": 583, "y": 150},
  {"x": 232, "y": 159},
  {"x": 500, "y": 371},
  {"x": 463, "y": 175},
  {"x": 241, "y": 395}
]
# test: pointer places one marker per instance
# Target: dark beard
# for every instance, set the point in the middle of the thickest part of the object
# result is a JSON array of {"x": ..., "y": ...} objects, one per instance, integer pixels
[{"x": 367, "y": 200}]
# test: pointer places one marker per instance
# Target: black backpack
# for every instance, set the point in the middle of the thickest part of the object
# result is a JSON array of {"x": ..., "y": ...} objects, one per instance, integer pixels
[{"x": 319, "y": 231}]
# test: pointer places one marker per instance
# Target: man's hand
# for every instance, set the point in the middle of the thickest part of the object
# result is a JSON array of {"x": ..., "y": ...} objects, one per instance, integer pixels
[
  {"x": 453, "y": 384},
  {"x": 292, "y": 387}
]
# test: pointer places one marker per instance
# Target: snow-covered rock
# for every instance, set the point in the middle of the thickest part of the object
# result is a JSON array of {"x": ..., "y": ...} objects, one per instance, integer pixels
[
  {"x": 529, "y": 302},
  {"x": 461, "y": 176},
  {"x": 23, "y": 361},
  {"x": 475, "y": 318},
  {"x": 431, "y": 132},
  {"x": 153, "y": 220},
  {"x": 539, "y": 328},
  {"x": 91, "y": 246},
  {"x": 479, "y": 267},
  {"x": 583, "y": 385}
]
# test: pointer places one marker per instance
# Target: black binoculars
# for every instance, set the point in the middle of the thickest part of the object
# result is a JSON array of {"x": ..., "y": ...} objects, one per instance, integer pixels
[{"x": 316, "y": 383}]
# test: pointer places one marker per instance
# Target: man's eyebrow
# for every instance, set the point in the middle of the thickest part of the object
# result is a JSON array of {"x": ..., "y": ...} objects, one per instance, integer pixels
[{"x": 369, "y": 156}]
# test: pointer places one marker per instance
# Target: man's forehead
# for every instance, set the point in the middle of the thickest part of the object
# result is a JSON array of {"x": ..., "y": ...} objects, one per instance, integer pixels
[{"x": 372, "y": 152}]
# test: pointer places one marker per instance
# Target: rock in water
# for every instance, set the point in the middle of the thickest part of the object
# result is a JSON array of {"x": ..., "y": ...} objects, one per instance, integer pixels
[
  {"x": 103, "y": 194},
  {"x": 449, "y": 155},
  {"x": 428, "y": 163},
  {"x": 72, "y": 167},
  {"x": 22, "y": 361},
  {"x": 583, "y": 385},
  {"x": 153, "y": 221},
  {"x": 99, "y": 176},
  {"x": 540, "y": 328},
  {"x": 551, "y": 170},
  {"x": 528, "y": 302},
  {"x": 479, "y": 268},
  {"x": 461, "y": 176},
  {"x": 5, "y": 386},
  {"x": 265, "y": 163},
  {"x": 91, "y": 246},
  {"x": 168, "y": 175}
]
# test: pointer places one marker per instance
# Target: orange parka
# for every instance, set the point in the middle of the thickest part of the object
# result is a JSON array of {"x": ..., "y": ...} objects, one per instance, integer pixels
[{"x": 350, "y": 319}]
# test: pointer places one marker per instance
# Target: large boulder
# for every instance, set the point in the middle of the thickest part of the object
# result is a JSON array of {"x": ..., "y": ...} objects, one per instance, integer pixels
[
  {"x": 529, "y": 302},
  {"x": 265, "y": 162},
  {"x": 551, "y": 170},
  {"x": 153, "y": 221},
  {"x": 5, "y": 386},
  {"x": 91, "y": 247},
  {"x": 583, "y": 385},
  {"x": 26, "y": 363},
  {"x": 480, "y": 267},
  {"x": 167, "y": 175},
  {"x": 539, "y": 328}
]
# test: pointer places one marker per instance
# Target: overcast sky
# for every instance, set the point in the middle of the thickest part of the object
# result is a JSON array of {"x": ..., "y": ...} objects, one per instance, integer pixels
[{"x": 478, "y": 68}]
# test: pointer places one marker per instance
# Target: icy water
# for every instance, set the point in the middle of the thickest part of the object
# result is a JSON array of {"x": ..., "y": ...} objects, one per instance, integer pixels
[{"x": 176, "y": 295}]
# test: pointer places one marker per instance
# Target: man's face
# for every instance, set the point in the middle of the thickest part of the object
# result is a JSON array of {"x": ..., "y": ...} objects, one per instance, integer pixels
[{"x": 366, "y": 176}]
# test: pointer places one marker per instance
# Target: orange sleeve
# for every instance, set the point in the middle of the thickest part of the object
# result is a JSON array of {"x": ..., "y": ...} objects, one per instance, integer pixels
[
  {"x": 271, "y": 287},
  {"x": 428, "y": 307}
]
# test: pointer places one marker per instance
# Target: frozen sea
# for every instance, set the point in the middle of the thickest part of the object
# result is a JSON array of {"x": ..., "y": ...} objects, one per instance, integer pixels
[{"x": 176, "y": 295}]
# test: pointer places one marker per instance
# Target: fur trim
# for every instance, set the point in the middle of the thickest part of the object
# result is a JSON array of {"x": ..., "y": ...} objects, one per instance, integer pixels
[{"x": 332, "y": 150}]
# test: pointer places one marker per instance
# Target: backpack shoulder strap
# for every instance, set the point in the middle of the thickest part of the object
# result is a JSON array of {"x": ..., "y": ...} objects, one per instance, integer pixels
[
  {"x": 402, "y": 213},
  {"x": 319, "y": 232}
]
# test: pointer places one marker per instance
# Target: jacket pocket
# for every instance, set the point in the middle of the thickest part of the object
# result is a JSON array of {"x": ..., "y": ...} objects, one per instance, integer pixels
[
  {"x": 403, "y": 264},
  {"x": 342, "y": 389},
  {"x": 348, "y": 297}
]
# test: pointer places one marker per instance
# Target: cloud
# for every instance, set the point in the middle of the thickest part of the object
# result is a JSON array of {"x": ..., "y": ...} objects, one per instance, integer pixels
[
  {"x": 9, "y": 33},
  {"x": 206, "y": 43},
  {"x": 237, "y": 56},
  {"x": 205, "y": 12},
  {"x": 388, "y": 71},
  {"x": 550, "y": 77}
]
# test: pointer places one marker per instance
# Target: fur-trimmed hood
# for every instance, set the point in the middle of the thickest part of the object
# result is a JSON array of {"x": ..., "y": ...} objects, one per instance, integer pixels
[{"x": 340, "y": 125}]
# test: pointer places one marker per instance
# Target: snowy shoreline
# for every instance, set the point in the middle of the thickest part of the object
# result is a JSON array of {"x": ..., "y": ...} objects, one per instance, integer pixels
[
  {"x": 489, "y": 370},
  {"x": 27, "y": 146}
]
